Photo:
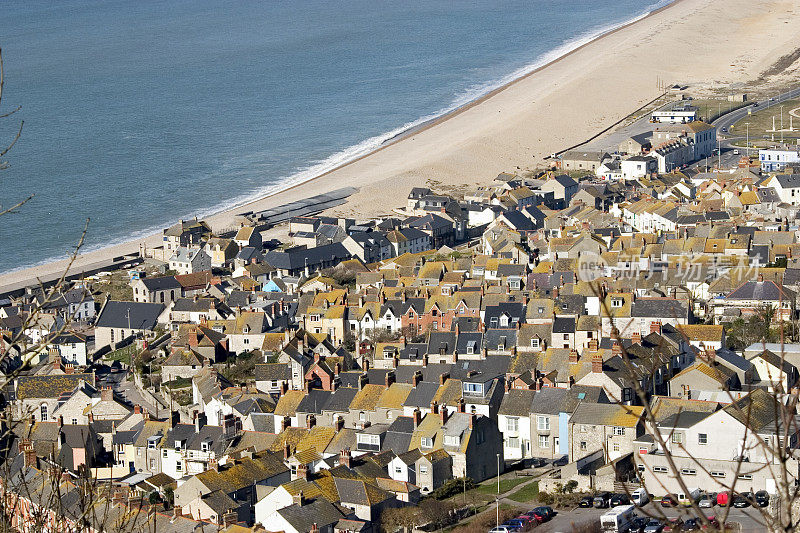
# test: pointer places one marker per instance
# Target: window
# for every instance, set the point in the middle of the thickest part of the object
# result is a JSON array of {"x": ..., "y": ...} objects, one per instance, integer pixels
[
  {"x": 504, "y": 321},
  {"x": 452, "y": 440},
  {"x": 617, "y": 302},
  {"x": 164, "y": 453},
  {"x": 615, "y": 447},
  {"x": 423, "y": 469},
  {"x": 544, "y": 441},
  {"x": 426, "y": 442},
  {"x": 583, "y": 428},
  {"x": 512, "y": 442},
  {"x": 543, "y": 423},
  {"x": 717, "y": 473},
  {"x": 369, "y": 442},
  {"x": 178, "y": 466},
  {"x": 619, "y": 430},
  {"x": 534, "y": 343},
  {"x": 398, "y": 470},
  {"x": 745, "y": 476},
  {"x": 688, "y": 471},
  {"x": 204, "y": 446},
  {"x": 660, "y": 469},
  {"x": 583, "y": 445},
  {"x": 677, "y": 438},
  {"x": 512, "y": 424},
  {"x": 362, "y": 416},
  {"x": 702, "y": 438},
  {"x": 43, "y": 412},
  {"x": 74, "y": 421}
]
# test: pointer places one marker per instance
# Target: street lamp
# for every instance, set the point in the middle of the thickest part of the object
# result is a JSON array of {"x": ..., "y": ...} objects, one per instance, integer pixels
[
  {"x": 747, "y": 145},
  {"x": 498, "y": 474},
  {"x": 497, "y": 502},
  {"x": 781, "y": 124}
]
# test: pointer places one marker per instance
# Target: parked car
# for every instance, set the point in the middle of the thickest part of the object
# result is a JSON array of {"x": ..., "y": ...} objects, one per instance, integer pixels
[
  {"x": 723, "y": 499},
  {"x": 586, "y": 501},
  {"x": 638, "y": 524},
  {"x": 673, "y": 524},
  {"x": 501, "y": 529},
  {"x": 736, "y": 152},
  {"x": 762, "y": 498},
  {"x": 513, "y": 526},
  {"x": 712, "y": 525},
  {"x": 620, "y": 499},
  {"x": 692, "y": 524},
  {"x": 707, "y": 500},
  {"x": 742, "y": 500},
  {"x": 654, "y": 526},
  {"x": 670, "y": 500},
  {"x": 546, "y": 511},
  {"x": 538, "y": 462},
  {"x": 602, "y": 499},
  {"x": 526, "y": 520},
  {"x": 561, "y": 461}
]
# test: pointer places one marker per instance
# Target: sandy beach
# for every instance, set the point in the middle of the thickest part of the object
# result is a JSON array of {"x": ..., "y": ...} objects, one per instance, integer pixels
[{"x": 559, "y": 105}]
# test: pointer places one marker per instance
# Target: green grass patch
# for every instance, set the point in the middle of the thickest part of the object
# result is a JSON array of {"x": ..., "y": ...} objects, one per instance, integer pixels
[
  {"x": 123, "y": 355},
  {"x": 178, "y": 383},
  {"x": 505, "y": 485},
  {"x": 526, "y": 493}
]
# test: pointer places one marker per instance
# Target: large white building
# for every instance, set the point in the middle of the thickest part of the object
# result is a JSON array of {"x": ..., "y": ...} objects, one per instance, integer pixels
[{"x": 776, "y": 159}]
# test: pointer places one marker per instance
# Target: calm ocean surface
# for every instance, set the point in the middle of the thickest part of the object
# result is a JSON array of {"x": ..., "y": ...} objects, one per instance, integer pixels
[{"x": 140, "y": 113}]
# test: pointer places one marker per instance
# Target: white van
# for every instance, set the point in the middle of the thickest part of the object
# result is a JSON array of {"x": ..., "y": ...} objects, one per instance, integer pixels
[
  {"x": 640, "y": 497},
  {"x": 618, "y": 519},
  {"x": 687, "y": 499}
]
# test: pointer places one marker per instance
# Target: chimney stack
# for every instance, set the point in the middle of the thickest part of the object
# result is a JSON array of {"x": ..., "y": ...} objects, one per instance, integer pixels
[
  {"x": 472, "y": 419},
  {"x": 287, "y": 452},
  {"x": 311, "y": 421},
  {"x": 298, "y": 499},
  {"x": 434, "y": 407},
  {"x": 390, "y": 377},
  {"x": 573, "y": 356},
  {"x": 443, "y": 378},
  {"x": 177, "y": 512},
  {"x": 339, "y": 423},
  {"x": 443, "y": 414},
  {"x": 302, "y": 472},
  {"x": 286, "y": 423},
  {"x": 461, "y": 405},
  {"x": 636, "y": 338},
  {"x": 415, "y": 380},
  {"x": 344, "y": 457},
  {"x": 616, "y": 348},
  {"x": 417, "y": 418},
  {"x": 106, "y": 394},
  {"x": 655, "y": 327},
  {"x": 597, "y": 363}
]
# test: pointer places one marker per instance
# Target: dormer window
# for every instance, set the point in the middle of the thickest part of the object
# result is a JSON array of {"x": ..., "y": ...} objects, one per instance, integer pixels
[
  {"x": 204, "y": 446},
  {"x": 535, "y": 343},
  {"x": 452, "y": 440},
  {"x": 504, "y": 321},
  {"x": 541, "y": 310},
  {"x": 617, "y": 302}
]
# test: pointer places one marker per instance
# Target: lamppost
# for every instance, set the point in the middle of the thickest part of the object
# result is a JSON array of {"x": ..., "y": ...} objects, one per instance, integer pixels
[
  {"x": 497, "y": 502},
  {"x": 498, "y": 474},
  {"x": 747, "y": 145},
  {"x": 781, "y": 124}
]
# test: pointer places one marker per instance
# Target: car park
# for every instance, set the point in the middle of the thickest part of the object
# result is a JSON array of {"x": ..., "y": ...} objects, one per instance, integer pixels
[
  {"x": 620, "y": 499},
  {"x": 601, "y": 500},
  {"x": 670, "y": 500},
  {"x": 586, "y": 501},
  {"x": 640, "y": 497},
  {"x": 762, "y": 498},
  {"x": 654, "y": 526}
]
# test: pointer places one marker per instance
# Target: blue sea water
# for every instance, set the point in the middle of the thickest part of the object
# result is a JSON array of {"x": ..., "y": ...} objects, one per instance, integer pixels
[{"x": 140, "y": 113}]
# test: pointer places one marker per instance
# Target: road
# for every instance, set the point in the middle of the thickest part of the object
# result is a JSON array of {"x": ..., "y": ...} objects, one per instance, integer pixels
[
  {"x": 565, "y": 521},
  {"x": 611, "y": 141}
]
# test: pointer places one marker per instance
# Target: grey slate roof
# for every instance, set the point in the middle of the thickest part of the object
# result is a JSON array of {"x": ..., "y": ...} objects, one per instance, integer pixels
[{"x": 136, "y": 315}]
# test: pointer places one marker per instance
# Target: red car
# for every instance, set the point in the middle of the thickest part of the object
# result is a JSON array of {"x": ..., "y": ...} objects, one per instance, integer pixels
[
  {"x": 670, "y": 500},
  {"x": 714, "y": 524}
]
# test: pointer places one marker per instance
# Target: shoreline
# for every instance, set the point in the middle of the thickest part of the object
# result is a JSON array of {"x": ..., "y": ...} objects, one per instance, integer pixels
[
  {"x": 459, "y": 144},
  {"x": 589, "y": 37}
]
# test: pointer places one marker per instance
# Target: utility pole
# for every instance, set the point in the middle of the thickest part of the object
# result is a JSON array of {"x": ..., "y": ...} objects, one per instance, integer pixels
[
  {"x": 781, "y": 124},
  {"x": 747, "y": 146}
]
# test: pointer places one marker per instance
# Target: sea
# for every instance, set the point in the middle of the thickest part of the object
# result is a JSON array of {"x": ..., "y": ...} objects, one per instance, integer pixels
[{"x": 139, "y": 113}]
